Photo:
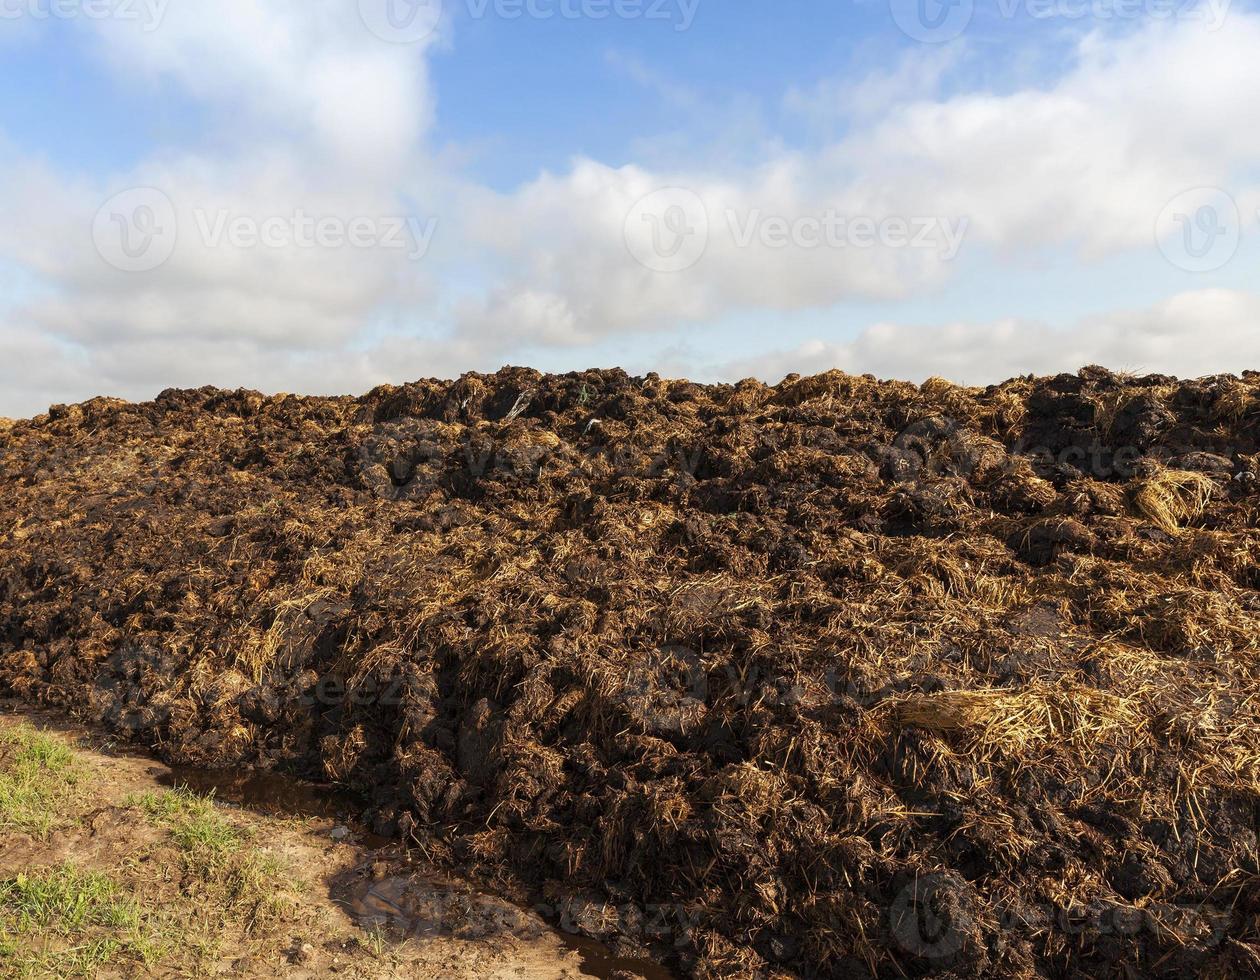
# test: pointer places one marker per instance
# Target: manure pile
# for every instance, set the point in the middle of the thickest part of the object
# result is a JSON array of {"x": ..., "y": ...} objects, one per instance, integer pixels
[{"x": 835, "y": 678}]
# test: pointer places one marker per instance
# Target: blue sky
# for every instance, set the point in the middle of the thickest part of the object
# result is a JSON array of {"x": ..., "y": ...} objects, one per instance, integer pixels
[{"x": 637, "y": 190}]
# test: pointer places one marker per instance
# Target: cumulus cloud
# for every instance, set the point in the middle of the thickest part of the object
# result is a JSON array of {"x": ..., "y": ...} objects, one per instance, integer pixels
[
  {"x": 286, "y": 70},
  {"x": 1088, "y": 161},
  {"x": 311, "y": 117},
  {"x": 762, "y": 242},
  {"x": 1085, "y": 164},
  {"x": 1191, "y": 334},
  {"x": 291, "y": 237}
]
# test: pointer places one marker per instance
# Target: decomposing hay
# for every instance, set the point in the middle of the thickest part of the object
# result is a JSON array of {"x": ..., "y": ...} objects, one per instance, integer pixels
[
  {"x": 1171, "y": 498},
  {"x": 834, "y": 678},
  {"x": 1017, "y": 721}
]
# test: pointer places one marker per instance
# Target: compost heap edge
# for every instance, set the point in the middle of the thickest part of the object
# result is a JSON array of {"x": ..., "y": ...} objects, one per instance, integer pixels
[{"x": 832, "y": 678}]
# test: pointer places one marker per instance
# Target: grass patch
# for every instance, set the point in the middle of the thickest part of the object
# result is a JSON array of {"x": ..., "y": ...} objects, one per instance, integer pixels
[
  {"x": 62, "y": 921},
  {"x": 194, "y": 822},
  {"x": 219, "y": 867},
  {"x": 162, "y": 905},
  {"x": 67, "y": 898},
  {"x": 38, "y": 779}
]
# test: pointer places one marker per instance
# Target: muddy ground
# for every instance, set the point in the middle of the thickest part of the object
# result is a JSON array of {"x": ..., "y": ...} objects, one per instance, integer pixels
[
  {"x": 833, "y": 678},
  {"x": 112, "y": 865}
]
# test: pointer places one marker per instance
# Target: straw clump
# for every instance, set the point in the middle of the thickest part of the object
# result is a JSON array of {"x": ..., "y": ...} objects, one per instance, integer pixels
[{"x": 1172, "y": 498}]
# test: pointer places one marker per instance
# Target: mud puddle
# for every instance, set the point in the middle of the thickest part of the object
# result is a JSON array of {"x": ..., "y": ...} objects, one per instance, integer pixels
[
  {"x": 428, "y": 907},
  {"x": 599, "y": 961},
  {"x": 274, "y": 794}
]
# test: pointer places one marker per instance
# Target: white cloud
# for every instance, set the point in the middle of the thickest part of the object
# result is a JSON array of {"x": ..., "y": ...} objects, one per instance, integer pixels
[
  {"x": 313, "y": 114},
  {"x": 318, "y": 120},
  {"x": 566, "y": 238},
  {"x": 917, "y": 75},
  {"x": 1086, "y": 163},
  {"x": 1191, "y": 334},
  {"x": 308, "y": 70}
]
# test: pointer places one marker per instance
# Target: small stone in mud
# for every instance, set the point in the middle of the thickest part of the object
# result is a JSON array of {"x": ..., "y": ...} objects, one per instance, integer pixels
[
  {"x": 301, "y": 954},
  {"x": 340, "y": 833}
]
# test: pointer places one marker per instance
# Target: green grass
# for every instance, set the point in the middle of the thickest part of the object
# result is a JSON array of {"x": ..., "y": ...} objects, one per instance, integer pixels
[
  {"x": 59, "y": 921},
  {"x": 376, "y": 943},
  {"x": 70, "y": 921},
  {"x": 194, "y": 822},
  {"x": 218, "y": 866},
  {"x": 65, "y": 898},
  {"x": 62, "y": 921},
  {"x": 38, "y": 777}
]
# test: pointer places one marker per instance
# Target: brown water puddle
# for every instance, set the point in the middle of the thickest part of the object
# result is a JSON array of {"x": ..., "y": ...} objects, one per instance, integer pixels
[
  {"x": 427, "y": 907},
  {"x": 599, "y": 961},
  {"x": 414, "y": 905},
  {"x": 272, "y": 793}
]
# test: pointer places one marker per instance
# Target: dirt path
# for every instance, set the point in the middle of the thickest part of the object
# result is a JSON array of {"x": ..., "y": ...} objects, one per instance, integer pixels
[{"x": 106, "y": 870}]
